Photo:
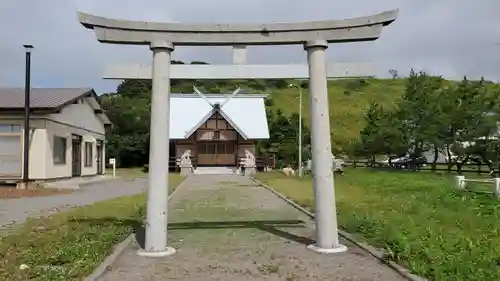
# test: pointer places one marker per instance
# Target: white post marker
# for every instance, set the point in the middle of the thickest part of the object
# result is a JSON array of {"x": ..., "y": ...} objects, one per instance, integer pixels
[
  {"x": 460, "y": 182},
  {"x": 112, "y": 161},
  {"x": 497, "y": 187}
]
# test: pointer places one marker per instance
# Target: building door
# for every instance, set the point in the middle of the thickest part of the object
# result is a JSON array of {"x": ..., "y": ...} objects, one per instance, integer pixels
[
  {"x": 11, "y": 155},
  {"x": 216, "y": 154},
  {"x": 206, "y": 154},
  {"x": 225, "y": 153},
  {"x": 100, "y": 147},
  {"x": 76, "y": 155}
]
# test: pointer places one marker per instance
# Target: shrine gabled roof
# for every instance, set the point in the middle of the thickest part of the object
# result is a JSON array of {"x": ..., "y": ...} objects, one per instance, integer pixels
[{"x": 245, "y": 112}]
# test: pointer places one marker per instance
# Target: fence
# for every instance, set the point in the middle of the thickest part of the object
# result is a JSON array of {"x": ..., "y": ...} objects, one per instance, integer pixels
[
  {"x": 479, "y": 168},
  {"x": 461, "y": 183}
]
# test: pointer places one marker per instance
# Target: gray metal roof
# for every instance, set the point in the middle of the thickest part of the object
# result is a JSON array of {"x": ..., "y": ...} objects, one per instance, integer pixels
[{"x": 47, "y": 98}]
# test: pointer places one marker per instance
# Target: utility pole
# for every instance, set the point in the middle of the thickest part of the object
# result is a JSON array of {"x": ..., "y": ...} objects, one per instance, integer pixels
[
  {"x": 27, "y": 92},
  {"x": 300, "y": 126}
]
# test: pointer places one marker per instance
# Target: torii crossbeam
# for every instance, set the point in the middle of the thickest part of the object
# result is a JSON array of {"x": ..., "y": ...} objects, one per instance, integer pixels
[{"x": 239, "y": 71}]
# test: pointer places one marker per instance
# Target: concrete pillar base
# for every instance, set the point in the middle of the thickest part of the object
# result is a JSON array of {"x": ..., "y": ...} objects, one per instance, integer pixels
[
  {"x": 250, "y": 171},
  {"x": 22, "y": 185},
  {"x": 168, "y": 252},
  {"x": 237, "y": 171},
  {"x": 339, "y": 249},
  {"x": 497, "y": 187},
  {"x": 460, "y": 182},
  {"x": 186, "y": 170}
]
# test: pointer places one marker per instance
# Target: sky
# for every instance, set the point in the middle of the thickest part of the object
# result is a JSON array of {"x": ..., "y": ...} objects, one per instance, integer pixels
[{"x": 451, "y": 38}]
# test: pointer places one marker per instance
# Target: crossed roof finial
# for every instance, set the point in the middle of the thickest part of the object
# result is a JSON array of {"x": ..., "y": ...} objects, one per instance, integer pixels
[{"x": 235, "y": 92}]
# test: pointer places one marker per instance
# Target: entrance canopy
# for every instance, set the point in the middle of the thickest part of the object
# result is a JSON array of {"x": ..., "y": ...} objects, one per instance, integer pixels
[{"x": 246, "y": 113}]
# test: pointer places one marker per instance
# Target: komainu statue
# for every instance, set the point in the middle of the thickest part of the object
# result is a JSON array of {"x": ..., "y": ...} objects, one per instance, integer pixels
[
  {"x": 249, "y": 164},
  {"x": 185, "y": 163},
  {"x": 186, "y": 158},
  {"x": 249, "y": 159}
]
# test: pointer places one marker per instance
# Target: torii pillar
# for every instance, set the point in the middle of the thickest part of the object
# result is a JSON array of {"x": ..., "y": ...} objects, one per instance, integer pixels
[
  {"x": 327, "y": 240},
  {"x": 162, "y": 37},
  {"x": 157, "y": 207}
]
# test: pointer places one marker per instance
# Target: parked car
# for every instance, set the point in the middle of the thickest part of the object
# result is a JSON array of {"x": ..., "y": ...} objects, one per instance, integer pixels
[{"x": 404, "y": 162}]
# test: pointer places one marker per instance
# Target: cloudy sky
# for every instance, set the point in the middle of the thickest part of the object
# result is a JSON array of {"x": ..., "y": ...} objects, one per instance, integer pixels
[{"x": 446, "y": 37}]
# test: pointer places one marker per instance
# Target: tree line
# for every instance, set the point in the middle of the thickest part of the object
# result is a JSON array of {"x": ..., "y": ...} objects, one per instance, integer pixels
[{"x": 457, "y": 120}]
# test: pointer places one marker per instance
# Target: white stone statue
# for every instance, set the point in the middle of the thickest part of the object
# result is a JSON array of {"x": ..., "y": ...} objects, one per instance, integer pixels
[
  {"x": 186, "y": 158},
  {"x": 249, "y": 164},
  {"x": 337, "y": 164},
  {"x": 249, "y": 159}
]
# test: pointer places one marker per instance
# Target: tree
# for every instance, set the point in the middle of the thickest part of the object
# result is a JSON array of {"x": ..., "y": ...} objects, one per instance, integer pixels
[
  {"x": 199, "y": 62},
  {"x": 461, "y": 120},
  {"x": 381, "y": 135},
  {"x": 418, "y": 114},
  {"x": 471, "y": 118},
  {"x": 128, "y": 138},
  {"x": 283, "y": 139},
  {"x": 394, "y": 73}
]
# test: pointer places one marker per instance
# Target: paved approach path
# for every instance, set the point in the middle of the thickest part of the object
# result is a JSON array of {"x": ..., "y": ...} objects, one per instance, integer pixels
[
  {"x": 17, "y": 210},
  {"x": 229, "y": 228}
]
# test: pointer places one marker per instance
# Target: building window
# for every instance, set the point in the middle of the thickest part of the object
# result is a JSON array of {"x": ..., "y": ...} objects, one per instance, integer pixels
[
  {"x": 59, "y": 150},
  {"x": 221, "y": 124},
  {"x": 216, "y": 135},
  {"x": 9, "y": 128},
  {"x": 88, "y": 154}
]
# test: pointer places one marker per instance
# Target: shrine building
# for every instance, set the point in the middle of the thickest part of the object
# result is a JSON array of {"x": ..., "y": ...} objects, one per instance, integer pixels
[{"x": 217, "y": 128}]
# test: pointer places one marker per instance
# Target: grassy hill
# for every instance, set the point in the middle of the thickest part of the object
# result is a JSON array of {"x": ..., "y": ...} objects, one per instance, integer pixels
[{"x": 348, "y": 100}]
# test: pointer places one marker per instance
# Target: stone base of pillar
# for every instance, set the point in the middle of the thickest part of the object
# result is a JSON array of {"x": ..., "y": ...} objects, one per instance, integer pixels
[
  {"x": 237, "y": 171},
  {"x": 339, "y": 249},
  {"x": 250, "y": 171},
  {"x": 168, "y": 252},
  {"x": 29, "y": 185},
  {"x": 186, "y": 170}
]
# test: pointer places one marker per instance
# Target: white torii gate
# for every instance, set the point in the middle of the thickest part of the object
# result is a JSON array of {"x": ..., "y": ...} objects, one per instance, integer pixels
[{"x": 162, "y": 39}]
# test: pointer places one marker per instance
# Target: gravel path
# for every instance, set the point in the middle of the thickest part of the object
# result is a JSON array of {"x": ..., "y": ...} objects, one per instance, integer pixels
[
  {"x": 228, "y": 228},
  {"x": 15, "y": 211}
]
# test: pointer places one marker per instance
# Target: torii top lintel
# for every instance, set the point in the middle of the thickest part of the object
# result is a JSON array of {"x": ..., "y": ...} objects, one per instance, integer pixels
[{"x": 117, "y": 31}]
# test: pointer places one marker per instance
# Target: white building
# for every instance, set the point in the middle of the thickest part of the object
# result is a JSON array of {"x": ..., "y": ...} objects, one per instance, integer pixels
[
  {"x": 67, "y": 133},
  {"x": 217, "y": 128}
]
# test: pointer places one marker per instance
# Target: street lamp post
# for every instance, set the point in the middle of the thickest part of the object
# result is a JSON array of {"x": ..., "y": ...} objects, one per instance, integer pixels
[
  {"x": 27, "y": 90},
  {"x": 300, "y": 126}
]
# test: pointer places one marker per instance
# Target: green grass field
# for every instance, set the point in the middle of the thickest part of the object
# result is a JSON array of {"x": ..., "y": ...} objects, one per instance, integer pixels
[
  {"x": 417, "y": 218},
  {"x": 70, "y": 245},
  {"x": 347, "y": 105}
]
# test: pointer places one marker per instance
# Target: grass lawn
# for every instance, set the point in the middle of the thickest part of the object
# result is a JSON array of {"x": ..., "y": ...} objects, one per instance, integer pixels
[
  {"x": 70, "y": 245},
  {"x": 127, "y": 173},
  {"x": 418, "y": 218}
]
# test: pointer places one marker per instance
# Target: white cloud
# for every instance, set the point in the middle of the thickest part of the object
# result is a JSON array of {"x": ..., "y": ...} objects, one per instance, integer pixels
[{"x": 453, "y": 38}]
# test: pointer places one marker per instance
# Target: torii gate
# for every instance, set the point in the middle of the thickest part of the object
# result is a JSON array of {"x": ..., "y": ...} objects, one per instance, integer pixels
[{"x": 163, "y": 37}]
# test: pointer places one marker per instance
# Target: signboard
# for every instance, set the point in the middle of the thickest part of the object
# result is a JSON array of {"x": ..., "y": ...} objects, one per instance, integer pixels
[{"x": 112, "y": 161}]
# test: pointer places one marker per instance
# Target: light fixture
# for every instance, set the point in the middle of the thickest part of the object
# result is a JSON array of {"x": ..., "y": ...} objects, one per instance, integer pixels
[{"x": 28, "y": 48}]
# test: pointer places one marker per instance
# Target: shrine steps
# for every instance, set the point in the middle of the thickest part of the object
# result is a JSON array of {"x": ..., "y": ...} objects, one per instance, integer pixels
[{"x": 214, "y": 171}]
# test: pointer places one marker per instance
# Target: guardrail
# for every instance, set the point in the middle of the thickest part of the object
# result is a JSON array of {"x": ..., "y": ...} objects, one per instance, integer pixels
[{"x": 461, "y": 184}]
